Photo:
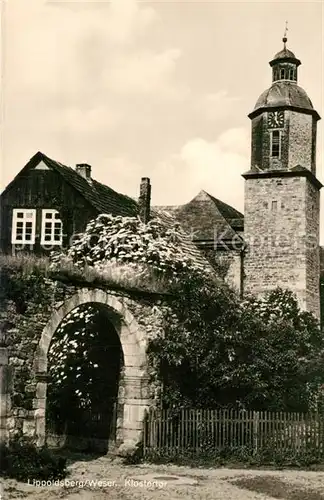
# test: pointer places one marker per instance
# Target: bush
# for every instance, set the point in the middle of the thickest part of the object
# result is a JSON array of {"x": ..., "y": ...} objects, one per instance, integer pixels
[
  {"x": 134, "y": 456},
  {"x": 215, "y": 350},
  {"x": 236, "y": 456},
  {"x": 22, "y": 460}
]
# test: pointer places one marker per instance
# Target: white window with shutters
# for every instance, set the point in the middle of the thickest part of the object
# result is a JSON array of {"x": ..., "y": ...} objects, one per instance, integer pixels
[
  {"x": 52, "y": 228},
  {"x": 23, "y": 226}
]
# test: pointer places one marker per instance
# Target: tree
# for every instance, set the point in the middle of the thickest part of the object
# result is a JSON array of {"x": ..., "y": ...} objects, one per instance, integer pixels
[{"x": 215, "y": 350}]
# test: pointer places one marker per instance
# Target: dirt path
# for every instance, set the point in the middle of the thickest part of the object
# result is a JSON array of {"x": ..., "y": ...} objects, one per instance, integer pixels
[{"x": 104, "y": 478}]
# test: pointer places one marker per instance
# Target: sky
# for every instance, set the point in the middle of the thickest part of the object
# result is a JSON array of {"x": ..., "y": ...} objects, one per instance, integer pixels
[{"x": 157, "y": 89}]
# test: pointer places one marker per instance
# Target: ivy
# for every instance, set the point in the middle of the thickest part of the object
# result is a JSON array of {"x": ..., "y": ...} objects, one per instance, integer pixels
[{"x": 26, "y": 298}]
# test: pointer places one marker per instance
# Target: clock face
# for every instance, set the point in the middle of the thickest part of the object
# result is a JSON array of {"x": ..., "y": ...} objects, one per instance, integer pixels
[{"x": 276, "y": 119}]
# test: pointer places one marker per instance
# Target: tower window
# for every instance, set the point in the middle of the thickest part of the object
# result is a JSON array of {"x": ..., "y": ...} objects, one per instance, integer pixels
[
  {"x": 275, "y": 144},
  {"x": 292, "y": 74},
  {"x": 282, "y": 74},
  {"x": 274, "y": 205}
]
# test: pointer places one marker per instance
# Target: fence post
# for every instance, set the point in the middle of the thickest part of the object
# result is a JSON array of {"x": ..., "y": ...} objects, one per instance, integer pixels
[{"x": 255, "y": 431}]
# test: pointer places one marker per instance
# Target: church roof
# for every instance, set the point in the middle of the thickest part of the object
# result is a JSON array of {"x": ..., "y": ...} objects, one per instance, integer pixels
[
  {"x": 206, "y": 217},
  {"x": 284, "y": 54},
  {"x": 284, "y": 93},
  {"x": 168, "y": 217}
]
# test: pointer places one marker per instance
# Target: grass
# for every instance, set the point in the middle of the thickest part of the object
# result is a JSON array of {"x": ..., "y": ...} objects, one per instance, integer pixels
[
  {"x": 139, "y": 278},
  {"x": 132, "y": 278},
  {"x": 26, "y": 262}
]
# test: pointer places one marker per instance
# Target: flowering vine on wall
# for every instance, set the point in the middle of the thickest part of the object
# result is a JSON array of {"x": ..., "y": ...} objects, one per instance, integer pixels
[{"x": 127, "y": 240}]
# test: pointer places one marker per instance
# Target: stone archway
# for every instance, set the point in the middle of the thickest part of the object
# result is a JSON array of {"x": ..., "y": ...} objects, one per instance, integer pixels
[{"x": 133, "y": 397}]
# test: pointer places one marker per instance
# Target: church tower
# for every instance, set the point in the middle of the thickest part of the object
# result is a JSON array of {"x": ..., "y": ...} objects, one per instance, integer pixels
[{"x": 281, "y": 214}]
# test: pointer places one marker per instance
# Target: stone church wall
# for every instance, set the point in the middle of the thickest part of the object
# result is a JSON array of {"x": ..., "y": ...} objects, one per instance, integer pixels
[
  {"x": 277, "y": 231},
  {"x": 300, "y": 139},
  {"x": 234, "y": 273},
  {"x": 227, "y": 265},
  {"x": 312, "y": 248}
]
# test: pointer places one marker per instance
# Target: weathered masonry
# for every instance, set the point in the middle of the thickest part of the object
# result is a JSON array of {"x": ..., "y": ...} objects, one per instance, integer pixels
[
  {"x": 26, "y": 358},
  {"x": 281, "y": 215}
]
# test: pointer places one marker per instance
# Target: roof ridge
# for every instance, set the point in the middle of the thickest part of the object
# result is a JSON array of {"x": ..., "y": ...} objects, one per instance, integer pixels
[
  {"x": 87, "y": 190},
  {"x": 216, "y": 202},
  {"x": 30, "y": 162},
  {"x": 226, "y": 205},
  {"x": 93, "y": 180},
  {"x": 113, "y": 190}
]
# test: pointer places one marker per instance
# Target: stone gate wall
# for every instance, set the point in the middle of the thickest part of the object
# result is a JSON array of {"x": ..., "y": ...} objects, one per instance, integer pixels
[{"x": 23, "y": 364}]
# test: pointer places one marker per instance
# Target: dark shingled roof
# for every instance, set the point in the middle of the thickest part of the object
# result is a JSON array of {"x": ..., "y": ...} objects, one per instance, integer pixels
[
  {"x": 107, "y": 200},
  {"x": 102, "y": 197},
  {"x": 205, "y": 217},
  {"x": 187, "y": 243},
  {"x": 170, "y": 209},
  {"x": 232, "y": 216},
  {"x": 284, "y": 54},
  {"x": 284, "y": 93}
]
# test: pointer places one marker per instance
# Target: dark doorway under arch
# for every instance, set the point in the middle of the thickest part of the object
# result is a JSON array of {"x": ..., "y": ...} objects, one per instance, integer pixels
[{"x": 85, "y": 362}]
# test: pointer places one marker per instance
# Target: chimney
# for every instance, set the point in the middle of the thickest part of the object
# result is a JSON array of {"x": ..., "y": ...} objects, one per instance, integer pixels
[
  {"x": 144, "y": 200},
  {"x": 84, "y": 170}
]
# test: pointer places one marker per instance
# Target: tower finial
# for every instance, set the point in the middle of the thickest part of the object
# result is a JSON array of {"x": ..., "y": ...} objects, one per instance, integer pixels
[{"x": 285, "y": 35}]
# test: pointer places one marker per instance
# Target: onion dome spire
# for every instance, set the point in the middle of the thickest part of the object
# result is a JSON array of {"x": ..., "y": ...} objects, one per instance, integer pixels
[
  {"x": 285, "y": 63},
  {"x": 284, "y": 91}
]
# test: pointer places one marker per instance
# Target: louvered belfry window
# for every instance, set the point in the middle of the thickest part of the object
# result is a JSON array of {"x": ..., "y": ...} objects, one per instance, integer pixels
[{"x": 276, "y": 144}]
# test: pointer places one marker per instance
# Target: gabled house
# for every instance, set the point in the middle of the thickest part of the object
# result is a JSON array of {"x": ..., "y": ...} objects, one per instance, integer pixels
[{"x": 48, "y": 203}]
